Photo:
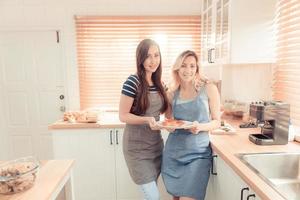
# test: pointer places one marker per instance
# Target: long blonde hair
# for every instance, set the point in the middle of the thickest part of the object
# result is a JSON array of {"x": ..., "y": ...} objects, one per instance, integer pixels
[{"x": 175, "y": 83}]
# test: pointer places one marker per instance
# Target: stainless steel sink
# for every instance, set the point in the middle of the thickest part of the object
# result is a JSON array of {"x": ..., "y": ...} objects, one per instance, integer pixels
[{"x": 279, "y": 170}]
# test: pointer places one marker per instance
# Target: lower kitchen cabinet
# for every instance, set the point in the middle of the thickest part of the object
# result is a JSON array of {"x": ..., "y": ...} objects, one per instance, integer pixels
[
  {"x": 100, "y": 171},
  {"x": 94, "y": 153},
  {"x": 225, "y": 184},
  {"x": 125, "y": 187}
]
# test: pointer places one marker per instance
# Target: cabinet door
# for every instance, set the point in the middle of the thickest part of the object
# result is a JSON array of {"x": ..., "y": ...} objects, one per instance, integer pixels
[
  {"x": 208, "y": 27},
  {"x": 94, "y": 170},
  {"x": 224, "y": 33},
  {"x": 218, "y": 29},
  {"x": 204, "y": 38},
  {"x": 228, "y": 185},
  {"x": 212, "y": 187},
  {"x": 162, "y": 189},
  {"x": 126, "y": 188}
]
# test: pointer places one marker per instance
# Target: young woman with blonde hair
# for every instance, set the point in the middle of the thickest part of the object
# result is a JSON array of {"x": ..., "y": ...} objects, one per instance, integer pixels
[{"x": 187, "y": 153}]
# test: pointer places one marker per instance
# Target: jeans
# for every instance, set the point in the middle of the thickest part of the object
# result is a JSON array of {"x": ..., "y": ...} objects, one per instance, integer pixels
[{"x": 150, "y": 191}]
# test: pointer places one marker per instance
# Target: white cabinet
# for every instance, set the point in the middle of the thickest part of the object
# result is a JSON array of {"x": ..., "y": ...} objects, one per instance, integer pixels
[
  {"x": 237, "y": 31},
  {"x": 162, "y": 190},
  {"x": 93, "y": 151},
  {"x": 125, "y": 187},
  {"x": 208, "y": 30},
  {"x": 214, "y": 38},
  {"x": 227, "y": 185},
  {"x": 100, "y": 170}
]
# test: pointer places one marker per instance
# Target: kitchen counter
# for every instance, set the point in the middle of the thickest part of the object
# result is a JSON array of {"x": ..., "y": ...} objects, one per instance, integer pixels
[
  {"x": 106, "y": 120},
  {"x": 225, "y": 145},
  {"x": 52, "y": 183}
]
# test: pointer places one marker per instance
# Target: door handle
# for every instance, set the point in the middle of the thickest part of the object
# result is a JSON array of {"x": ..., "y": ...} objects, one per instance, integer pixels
[
  {"x": 210, "y": 60},
  {"x": 209, "y": 56}
]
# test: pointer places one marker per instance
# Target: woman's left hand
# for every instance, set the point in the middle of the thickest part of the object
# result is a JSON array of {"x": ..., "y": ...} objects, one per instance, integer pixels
[
  {"x": 200, "y": 82},
  {"x": 153, "y": 124},
  {"x": 197, "y": 128}
]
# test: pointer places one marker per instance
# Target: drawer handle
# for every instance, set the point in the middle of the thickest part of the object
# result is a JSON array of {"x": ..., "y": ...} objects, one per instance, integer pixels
[
  {"x": 212, "y": 165},
  {"x": 242, "y": 192},
  {"x": 110, "y": 136},
  {"x": 250, "y": 195},
  {"x": 117, "y": 136}
]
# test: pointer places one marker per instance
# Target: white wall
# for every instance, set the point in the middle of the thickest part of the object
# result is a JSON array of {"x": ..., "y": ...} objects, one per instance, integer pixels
[
  {"x": 247, "y": 82},
  {"x": 59, "y": 15},
  {"x": 3, "y": 133},
  {"x": 245, "y": 45}
]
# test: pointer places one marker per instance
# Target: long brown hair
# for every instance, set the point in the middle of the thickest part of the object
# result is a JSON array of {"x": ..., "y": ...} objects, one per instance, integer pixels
[{"x": 142, "y": 102}]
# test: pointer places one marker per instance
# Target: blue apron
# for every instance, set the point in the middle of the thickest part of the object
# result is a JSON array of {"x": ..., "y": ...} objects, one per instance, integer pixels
[{"x": 187, "y": 157}]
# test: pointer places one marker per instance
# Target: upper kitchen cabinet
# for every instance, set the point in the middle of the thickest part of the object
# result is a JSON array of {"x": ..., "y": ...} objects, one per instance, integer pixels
[{"x": 237, "y": 31}]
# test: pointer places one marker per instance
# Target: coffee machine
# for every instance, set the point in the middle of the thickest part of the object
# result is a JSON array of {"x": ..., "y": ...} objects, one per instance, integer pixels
[{"x": 273, "y": 117}]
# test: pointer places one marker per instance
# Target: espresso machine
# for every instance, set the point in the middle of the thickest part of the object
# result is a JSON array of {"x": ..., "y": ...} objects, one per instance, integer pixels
[{"x": 273, "y": 117}]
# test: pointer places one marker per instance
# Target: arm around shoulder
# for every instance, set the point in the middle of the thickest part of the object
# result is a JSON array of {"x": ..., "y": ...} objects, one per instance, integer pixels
[{"x": 169, "y": 111}]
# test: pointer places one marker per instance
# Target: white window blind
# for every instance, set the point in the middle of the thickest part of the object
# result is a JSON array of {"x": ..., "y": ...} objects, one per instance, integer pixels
[
  {"x": 287, "y": 73},
  {"x": 106, "y": 50}
]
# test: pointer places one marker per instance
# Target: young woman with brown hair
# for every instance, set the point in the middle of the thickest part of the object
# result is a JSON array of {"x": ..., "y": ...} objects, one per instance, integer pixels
[{"x": 143, "y": 99}]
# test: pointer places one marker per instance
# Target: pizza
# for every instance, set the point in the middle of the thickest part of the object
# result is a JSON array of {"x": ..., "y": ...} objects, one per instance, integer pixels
[{"x": 173, "y": 122}]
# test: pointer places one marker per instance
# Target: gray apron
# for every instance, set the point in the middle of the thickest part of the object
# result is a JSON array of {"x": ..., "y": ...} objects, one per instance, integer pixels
[
  {"x": 142, "y": 147},
  {"x": 187, "y": 157}
]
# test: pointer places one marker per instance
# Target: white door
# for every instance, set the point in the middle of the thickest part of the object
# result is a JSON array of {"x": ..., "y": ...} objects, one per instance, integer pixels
[{"x": 31, "y": 81}]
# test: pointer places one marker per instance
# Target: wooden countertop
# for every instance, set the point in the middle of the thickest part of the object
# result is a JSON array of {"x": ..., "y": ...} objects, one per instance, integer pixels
[
  {"x": 50, "y": 177},
  {"x": 100, "y": 124},
  {"x": 107, "y": 120},
  {"x": 227, "y": 146}
]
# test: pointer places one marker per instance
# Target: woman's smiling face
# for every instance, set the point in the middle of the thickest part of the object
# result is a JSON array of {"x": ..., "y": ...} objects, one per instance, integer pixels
[
  {"x": 188, "y": 69},
  {"x": 153, "y": 59}
]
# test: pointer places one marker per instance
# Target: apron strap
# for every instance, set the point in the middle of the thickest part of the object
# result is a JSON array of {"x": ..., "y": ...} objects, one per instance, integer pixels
[{"x": 176, "y": 94}]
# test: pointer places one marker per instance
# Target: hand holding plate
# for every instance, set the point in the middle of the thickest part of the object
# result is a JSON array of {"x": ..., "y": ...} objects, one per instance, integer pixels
[
  {"x": 153, "y": 124},
  {"x": 196, "y": 127}
]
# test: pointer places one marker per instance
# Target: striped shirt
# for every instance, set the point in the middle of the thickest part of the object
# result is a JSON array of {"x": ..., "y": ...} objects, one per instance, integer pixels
[{"x": 131, "y": 84}]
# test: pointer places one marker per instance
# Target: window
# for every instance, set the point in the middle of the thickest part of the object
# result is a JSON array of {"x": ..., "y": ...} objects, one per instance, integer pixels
[
  {"x": 286, "y": 80},
  {"x": 106, "y": 51}
]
